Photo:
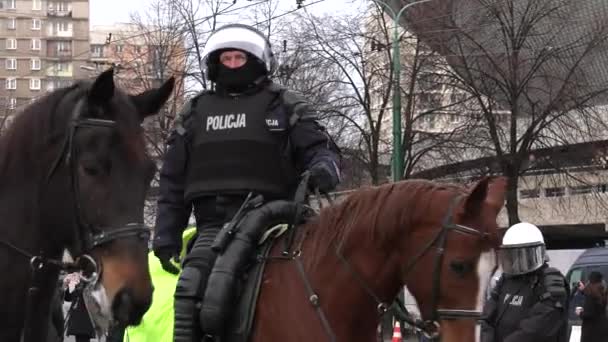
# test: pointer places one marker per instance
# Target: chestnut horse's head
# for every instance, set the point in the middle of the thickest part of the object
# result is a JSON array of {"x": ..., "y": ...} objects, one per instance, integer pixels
[{"x": 450, "y": 254}]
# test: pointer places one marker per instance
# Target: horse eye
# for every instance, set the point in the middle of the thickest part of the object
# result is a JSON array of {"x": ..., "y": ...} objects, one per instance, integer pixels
[
  {"x": 461, "y": 268},
  {"x": 91, "y": 170},
  {"x": 95, "y": 168}
]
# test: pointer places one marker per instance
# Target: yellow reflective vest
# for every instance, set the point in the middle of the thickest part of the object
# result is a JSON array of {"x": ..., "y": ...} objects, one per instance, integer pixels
[{"x": 157, "y": 323}]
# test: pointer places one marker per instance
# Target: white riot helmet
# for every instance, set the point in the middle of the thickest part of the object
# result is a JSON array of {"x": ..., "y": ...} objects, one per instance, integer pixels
[
  {"x": 241, "y": 37},
  {"x": 522, "y": 250}
]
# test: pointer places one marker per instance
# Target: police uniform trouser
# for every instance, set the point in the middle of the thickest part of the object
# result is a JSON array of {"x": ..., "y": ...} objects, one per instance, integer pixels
[{"x": 212, "y": 214}]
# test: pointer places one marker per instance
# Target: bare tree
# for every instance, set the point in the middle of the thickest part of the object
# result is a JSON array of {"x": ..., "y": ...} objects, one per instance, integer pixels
[
  {"x": 159, "y": 53},
  {"x": 530, "y": 68},
  {"x": 354, "y": 51}
]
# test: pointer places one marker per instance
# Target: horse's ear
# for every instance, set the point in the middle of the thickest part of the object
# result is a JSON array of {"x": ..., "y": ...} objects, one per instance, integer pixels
[
  {"x": 497, "y": 190},
  {"x": 151, "y": 101},
  {"x": 477, "y": 196},
  {"x": 490, "y": 191},
  {"x": 102, "y": 90}
]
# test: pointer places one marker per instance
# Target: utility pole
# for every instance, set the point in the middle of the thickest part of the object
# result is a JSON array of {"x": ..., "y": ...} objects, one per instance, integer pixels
[{"x": 397, "y": 158}]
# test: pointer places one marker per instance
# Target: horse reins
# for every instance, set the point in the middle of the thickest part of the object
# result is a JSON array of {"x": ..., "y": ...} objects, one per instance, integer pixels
[
  {"x": 430, "y": 328},
  {"x": 89, "y": 236}
]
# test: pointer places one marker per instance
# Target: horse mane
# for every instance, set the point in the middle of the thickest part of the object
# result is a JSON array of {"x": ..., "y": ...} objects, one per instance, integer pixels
[{"x": 379, "y": 209}]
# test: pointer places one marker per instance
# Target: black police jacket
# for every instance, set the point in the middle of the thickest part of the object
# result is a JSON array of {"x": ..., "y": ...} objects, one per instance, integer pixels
[
  {"x": 306, "y": 142},
  {"x": 527, "y": 308}
]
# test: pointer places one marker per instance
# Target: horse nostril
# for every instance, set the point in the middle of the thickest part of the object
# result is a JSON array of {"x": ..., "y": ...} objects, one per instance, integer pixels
[
  {"x": 122, "y": 306},
  {"x": 128, "y": 309}
]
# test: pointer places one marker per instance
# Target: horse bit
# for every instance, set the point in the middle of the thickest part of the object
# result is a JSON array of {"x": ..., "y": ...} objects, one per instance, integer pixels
[
  {"x": 431, "y": 327},
  {"x": 90, "y": 236}
]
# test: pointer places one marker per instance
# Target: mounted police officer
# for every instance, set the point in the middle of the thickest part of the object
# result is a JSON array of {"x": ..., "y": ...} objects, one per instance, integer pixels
[
  {"x": 530, "y": 300},
  {"x": 247, "y": 136}
]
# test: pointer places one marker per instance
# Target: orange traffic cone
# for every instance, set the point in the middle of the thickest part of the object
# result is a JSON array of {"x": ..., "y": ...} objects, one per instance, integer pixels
[{"x": 397, "y": 333}]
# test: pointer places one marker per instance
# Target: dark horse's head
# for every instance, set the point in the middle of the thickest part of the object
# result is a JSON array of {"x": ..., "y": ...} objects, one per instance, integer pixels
[{"x": 76, "y": 159}]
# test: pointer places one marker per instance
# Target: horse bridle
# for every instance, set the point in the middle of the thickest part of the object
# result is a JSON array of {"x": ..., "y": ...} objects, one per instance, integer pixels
[
  {"x": 89, "y": 236},
  {"x": 430, "y": 327}
]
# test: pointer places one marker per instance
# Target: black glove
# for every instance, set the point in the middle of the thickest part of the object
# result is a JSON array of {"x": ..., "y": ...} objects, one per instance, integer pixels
[
  {"x": 165, "y": 255},
  {"x": 321, "y": 177}
]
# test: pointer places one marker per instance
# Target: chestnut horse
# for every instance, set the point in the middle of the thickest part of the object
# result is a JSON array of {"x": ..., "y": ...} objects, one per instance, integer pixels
[
  {"x": 437, "y": 239},
  {"x": 74, "y": 175}
]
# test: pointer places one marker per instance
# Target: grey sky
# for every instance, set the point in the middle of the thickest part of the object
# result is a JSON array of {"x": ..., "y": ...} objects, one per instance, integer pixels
[{"x": 106, "y": 12}]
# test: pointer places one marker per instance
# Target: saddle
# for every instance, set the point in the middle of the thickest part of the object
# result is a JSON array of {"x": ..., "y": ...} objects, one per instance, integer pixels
[{"x": 230, "y": 298}]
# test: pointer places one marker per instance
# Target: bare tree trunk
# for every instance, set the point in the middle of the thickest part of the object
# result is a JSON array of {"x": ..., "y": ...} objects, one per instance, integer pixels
[{"x": 512, "y": 204}]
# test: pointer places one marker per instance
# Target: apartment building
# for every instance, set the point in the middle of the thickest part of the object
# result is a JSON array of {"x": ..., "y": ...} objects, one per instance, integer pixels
[
  {"x": 43, "y": 45},
  {"x": 143, "y": 57}
]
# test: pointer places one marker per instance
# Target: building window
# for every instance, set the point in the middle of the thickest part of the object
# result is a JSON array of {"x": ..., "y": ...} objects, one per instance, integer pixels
[
  {"x": 36, "y": 5},
  {"x": 34, "y": 84},
  {"x": 11, "y": 23},
  {"x": 555, "y": 192},
  {"x": 96, "y": 51},
  {"x": 36, "y": 24},
  {"x": 11, "y": 83},
  {"x": 62, "y": 26},
  {"x": 583, "y": 189},
  {"x": 12, "y": 103},
  {"x": 11, "y": 4},
  {"x": 35, "y": 44},
  {"x": 11, "y": 43},
  {"x": 62, "y": 67},
  {"x": 60, "y": 6},
  {"x": 119, "y": 48},
  {"x": 35, "y": 64},
  {"x": 11, "y": 64},
  {"x": 63, "y": 46},
  {"x": 529, "y": 193}
]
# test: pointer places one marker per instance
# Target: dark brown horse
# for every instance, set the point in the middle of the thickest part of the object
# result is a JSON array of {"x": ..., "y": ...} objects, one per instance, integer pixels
[
  {"x": 74, "y": 175},
  {"x": 437, "y": 239}
]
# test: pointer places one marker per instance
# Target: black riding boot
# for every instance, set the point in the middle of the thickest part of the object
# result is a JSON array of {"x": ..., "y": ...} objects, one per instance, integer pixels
[{"x": 191, "y": 286}]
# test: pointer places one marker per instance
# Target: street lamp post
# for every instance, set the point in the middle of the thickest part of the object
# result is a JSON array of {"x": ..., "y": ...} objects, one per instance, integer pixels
[{"x": 397, "y": 160}]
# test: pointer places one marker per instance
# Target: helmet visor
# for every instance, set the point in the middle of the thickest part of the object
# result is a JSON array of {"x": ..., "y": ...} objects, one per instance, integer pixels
[
  {"x": 240, "y": 38},
  {"x": 521, "y": 259}
]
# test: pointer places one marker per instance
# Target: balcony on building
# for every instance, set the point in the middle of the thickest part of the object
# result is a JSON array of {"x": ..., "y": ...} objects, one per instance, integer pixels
[
  {"x": 54, "y": 51},
  {"x": 60, "y": 29},
  {"x": 56, "y": 82},
  {"x": 51, "y": 32},
  {"x": 59, "y": 69},
  {"x": 51, "y": 12},
  {"x": 61, "y": 54},
  {"x": 97, "y": 53}
]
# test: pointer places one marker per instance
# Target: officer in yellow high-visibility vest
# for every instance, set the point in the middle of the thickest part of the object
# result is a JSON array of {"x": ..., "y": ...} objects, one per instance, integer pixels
[{"x": 157, "y": 323}]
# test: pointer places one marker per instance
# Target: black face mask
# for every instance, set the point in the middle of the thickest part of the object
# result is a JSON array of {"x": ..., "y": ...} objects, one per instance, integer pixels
[{"x": 239, "y": 79}]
